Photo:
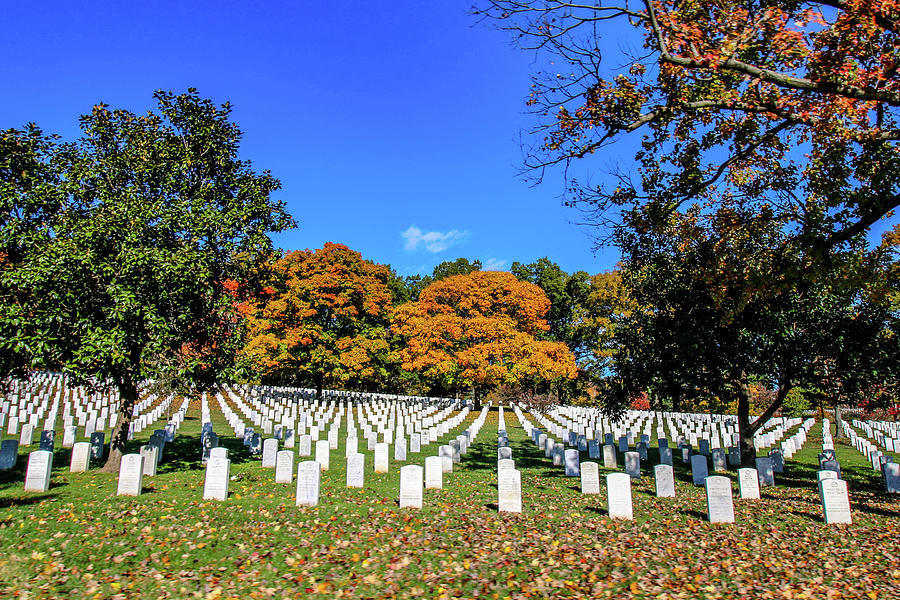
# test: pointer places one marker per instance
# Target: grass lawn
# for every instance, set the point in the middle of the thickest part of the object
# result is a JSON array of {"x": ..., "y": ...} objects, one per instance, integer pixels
[{"x": 80, "y": 540}]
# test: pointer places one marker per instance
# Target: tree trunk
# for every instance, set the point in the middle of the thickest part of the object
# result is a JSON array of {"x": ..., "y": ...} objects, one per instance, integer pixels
[
  {"x": 128, "y": 395},
  {"x": 320, "y": 384},
  {"x": 748, "y": 429},
  {"x": 745, "y": 429},
  {"x": 837, "y": 420}
]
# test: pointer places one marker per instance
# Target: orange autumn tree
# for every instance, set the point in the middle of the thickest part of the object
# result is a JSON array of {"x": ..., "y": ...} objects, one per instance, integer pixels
[
  {"x": 480, "y": 330},
  {"x": 319, "y": 317}
]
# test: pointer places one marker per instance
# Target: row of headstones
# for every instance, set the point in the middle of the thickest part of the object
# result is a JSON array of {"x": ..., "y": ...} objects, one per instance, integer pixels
[
  {"x": 719, "y": 496},
  {"x": 97, "y": 407},
  {"x": 292, "y": 394},
  {"x": 428, "y": 435},
  {"x": 70, "y": 430},
  {"x": 275, "y": 408},
  {"x": 581, "y": 436},
  {"x": 885, "y": 433},
  {"x": 719, "y": 458},
  {"x": 691, "y": 426},
  {"x": 413, "y": 478},
  {"x": 720, "y": 506},
  {"x": 289, "y": 424},
  {"x": 40, "y": 463},
  {"x": 509, "y": 479},
  {"x": 766, "y": 467},
  {"x": 881, "y": 462},
  {"x": 253, "y": 440},
  {"x": 694, "y": 437}
]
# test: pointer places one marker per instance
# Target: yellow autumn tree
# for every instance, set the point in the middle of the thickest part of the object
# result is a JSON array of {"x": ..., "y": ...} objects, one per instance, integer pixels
[
  {"x": 480, "y": 330},
  {"x": 320, "y": 317}
]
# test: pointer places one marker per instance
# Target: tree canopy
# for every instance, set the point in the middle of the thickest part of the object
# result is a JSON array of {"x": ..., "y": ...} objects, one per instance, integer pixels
[
  {"x": 713, "y": 318},
  {"x": 789, "y": 108},
  {"x": 115, "y": 247},
  {"x": 321, "y": 317},
  {"x": 480, "y": 330}
]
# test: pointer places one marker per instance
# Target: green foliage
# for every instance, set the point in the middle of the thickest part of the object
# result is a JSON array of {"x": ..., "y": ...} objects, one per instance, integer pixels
[
  {"x": 116, "y": 247},
  {"x": 728, "y": 309},
  {"x": 795, "y": 403},
  {"x": 449, "y": 268}
]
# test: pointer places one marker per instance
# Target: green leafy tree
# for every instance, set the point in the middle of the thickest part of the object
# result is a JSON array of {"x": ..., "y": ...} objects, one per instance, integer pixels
[
  {"x": 449, "y": 268},
  {"x": 117, "y": 247},
  {"x": 721, "y": 310},
  {"x": 583, "y": 314}
]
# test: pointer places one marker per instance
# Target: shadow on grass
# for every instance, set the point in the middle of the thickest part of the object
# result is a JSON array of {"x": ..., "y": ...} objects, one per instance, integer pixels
[
  {"x": 185, "y": 453},
  {"x": 695, "y": 513},
  {"x": 24, "y": 500}
]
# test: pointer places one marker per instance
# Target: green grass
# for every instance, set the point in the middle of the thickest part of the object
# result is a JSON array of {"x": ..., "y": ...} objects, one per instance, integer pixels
[{"x": 80, "y": 539}]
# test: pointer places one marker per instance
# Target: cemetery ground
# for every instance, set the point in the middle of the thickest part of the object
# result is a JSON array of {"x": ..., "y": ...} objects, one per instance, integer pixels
[{"x": 80, "y": 540}]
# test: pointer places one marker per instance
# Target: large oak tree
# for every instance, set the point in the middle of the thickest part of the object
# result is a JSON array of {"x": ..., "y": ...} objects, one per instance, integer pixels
[{"x": 115, "y": 247}]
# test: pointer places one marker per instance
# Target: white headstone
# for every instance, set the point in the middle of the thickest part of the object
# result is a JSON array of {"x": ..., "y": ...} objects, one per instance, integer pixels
[
  {"x": 381, "y": 457},
  {"x": 748, "y": 482},
  {"x": 150, "y": 454},
  {"x": 131, "y": 475},
  {"x": 766, "y": 471},
  {"x": 9, "y": 454},
  {"x": 835, "y": 501},
  {"x": 434, "y": 473},
  {"x": 81, "y": 457},
  {"x": 509, "y": 491},
  {"x": 269, "y": 453},
  {"x": 820, "y": 475},
  {"x": 304, "y": 445},
  {"x": 446, "y": 454},
  {"x": 590, "y": 478},
  {"x": 618, "y": 495},
  {"x": 218, "y": 473},
  {"x": 400, "y": 449},
  {"x": 323, "y": 452},
  {"x": 411, "y": 486},
  {"x": 719, "y": 502},
  {"x": 665, "y": 481},
  {"x": 633, "y": 464},
  {"x": 351, "y": 446},
  {"x": 27, "y": 436},
  {"x": 309, "y": 473},
  {"x": 572, "y": 459},
  {"x": 699, "y": 469},
  {"x": 356, "y": 473},
  {"x": 69, "y": 434},
  {"x": 37, "y": 473},
  {"x": 284, "y": 466}
]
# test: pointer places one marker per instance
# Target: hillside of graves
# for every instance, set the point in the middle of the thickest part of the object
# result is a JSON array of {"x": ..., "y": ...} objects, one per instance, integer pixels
[{"x": 257, "y": 492}]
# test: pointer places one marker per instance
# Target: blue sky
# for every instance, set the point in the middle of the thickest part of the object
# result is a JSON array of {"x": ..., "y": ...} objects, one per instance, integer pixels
[{"x": 393, "y": 126}]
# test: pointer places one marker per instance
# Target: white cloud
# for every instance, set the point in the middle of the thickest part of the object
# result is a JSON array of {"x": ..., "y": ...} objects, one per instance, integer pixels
[
  {"x": 494, "y": 264},
  {"x": 432, "y": 241}
]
